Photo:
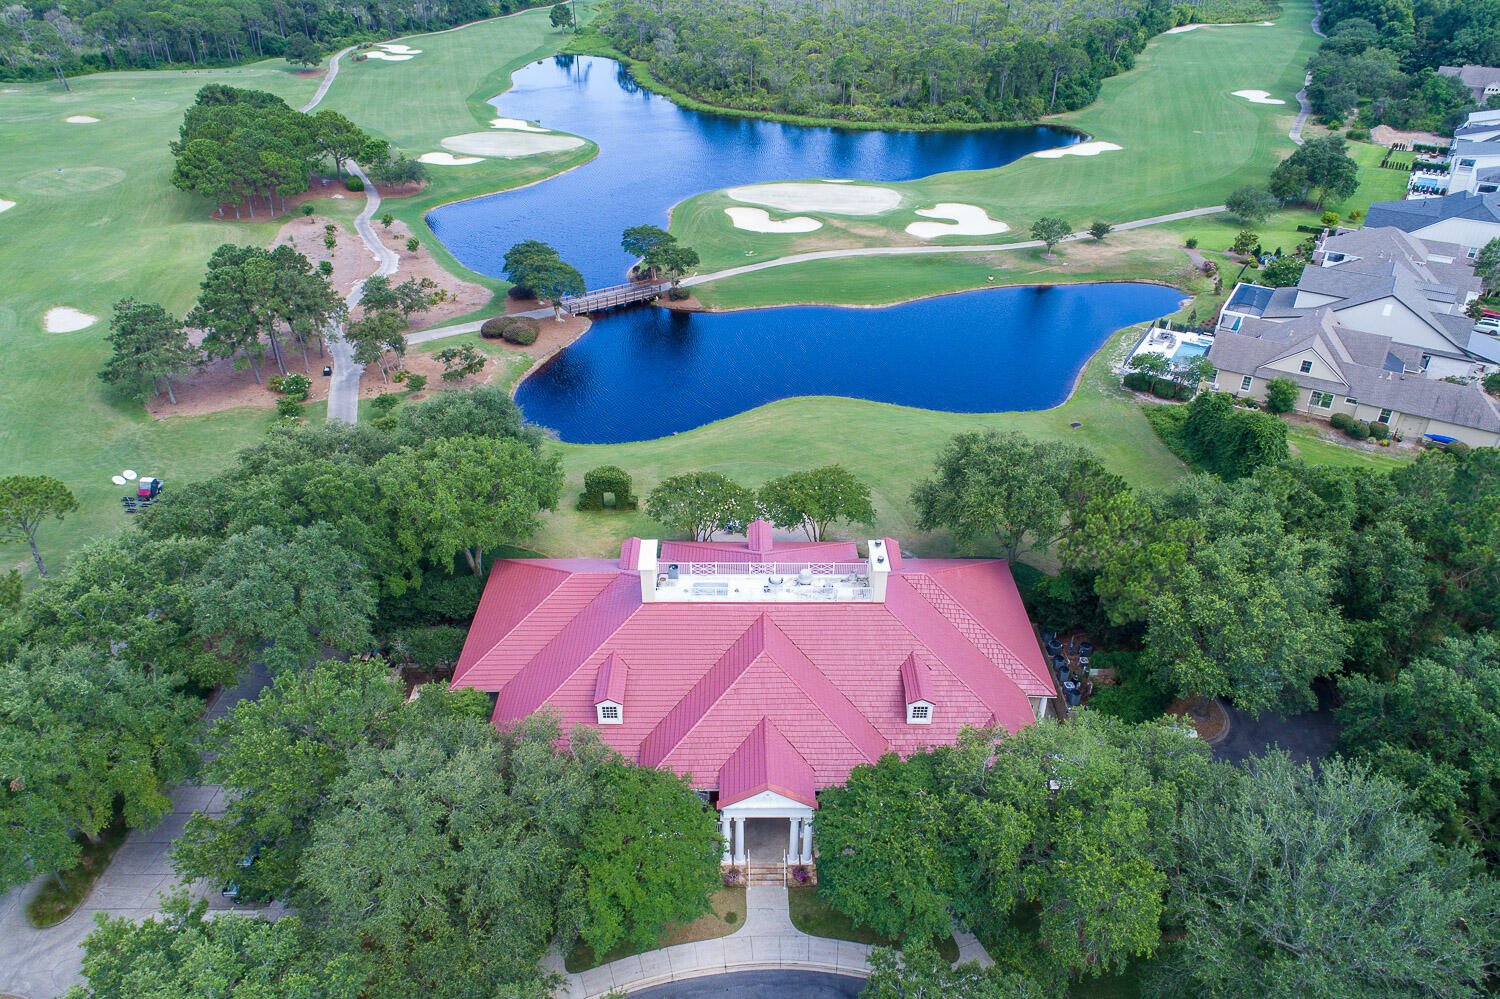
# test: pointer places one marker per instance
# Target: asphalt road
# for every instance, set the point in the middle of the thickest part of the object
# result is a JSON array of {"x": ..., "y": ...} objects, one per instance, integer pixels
[{"x": 759, "y": 985}]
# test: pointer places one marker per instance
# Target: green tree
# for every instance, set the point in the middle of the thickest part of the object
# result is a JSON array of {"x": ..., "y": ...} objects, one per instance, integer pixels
[
  {"x": 1245, "y": 242},
  {"x": 302, "y": 51},
  {"x": 376, "y": 335},
  {"x": 1131, "y": 548},
  {"x": 26, "y": 501},
  {"x": 286, "y": 596},
  {"x": 1295, "y": 883},
  {"x": 555, "y": 281},
  {"x": 1436, "y": 729},
  {"x": 919, "y": 972},
  {"x": 150, "y": 347},
  {"x": 80, "y": 734},
  {"x": 181, "y": 954},
  {"x": 1283, "y": 272},
  {"x": 1151, "y": 362},
  {"x": 1099, "y": 229},
  {"x": 644, "y": 242},
  {"x": 1006, "y": 491},
  {"x": 561, "y": 16},
  {"x": 675, "y": 261},
  {"x": 1251, "y": 203},
  {"x": 338, "y": 138},
  {"x": 461, "y": 495},
  {"x": 700, "y": 504},
  {"x": 1049, "y": 231},
  {"x": 279, "y": 755},
  {"x": 1487, "y": 263},
  {"x": 460, "y": 362},
  {"x": 522, "y": 261},
  {"x": 1281, "y": 395},
  {"x": 648, "y": 857},
  {"x": 881, "y": 859},
  {"x": 812, "y": 501},
  {"x": 1316, "y": 171}
]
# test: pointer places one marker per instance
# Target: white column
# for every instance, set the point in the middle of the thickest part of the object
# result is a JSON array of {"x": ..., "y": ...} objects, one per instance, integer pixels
[
  {"x": 791, "y": 844},
  {"x": 727, "y": 831},
  {"x": 807, "y": 854},
  {"x": 739, "y": 840}
]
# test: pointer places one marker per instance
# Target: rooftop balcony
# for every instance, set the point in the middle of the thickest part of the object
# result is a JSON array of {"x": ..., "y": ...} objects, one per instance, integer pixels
[{"x": 765, "y": 582}]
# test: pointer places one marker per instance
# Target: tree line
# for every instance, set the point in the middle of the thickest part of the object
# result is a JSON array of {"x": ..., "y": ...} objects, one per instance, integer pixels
[
  {"x": 38, "y": 40},
  {"x": 916, "y": 61}
]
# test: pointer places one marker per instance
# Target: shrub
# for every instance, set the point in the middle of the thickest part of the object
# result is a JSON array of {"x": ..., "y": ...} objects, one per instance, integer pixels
[
  {"x": 354, "y": 184},
  {"x": 1281, "y": 395},
  {"x": 512, "y": 329},
  {"x": 1492, "y": 383},
  {"x": 1192, "y": 243},
  {"x": 1456, "y": 448},
  {"x": 607, "y": 479},
  {"x": 413, "y": 244},
  {"x": 384, "y": 403},
  {"x": 678, "y": 294},
  {"x": 491, "y": 328},
  {"x": 1139, "y": 381},
  {"x": 520, "y": 293},
  {"x": 1134, "y": 696},
  {"x": 325, "y": 268},
  {"x": 1359, "y": 431},
  {"x": 1341, "y": 421},
  {"x": 288, "y": 408},
  {"x": 1380, "y": 431},
  {"x": 1185, "y": 392},
  {"x": 1359, "y": 134},
  {"x": 295, "y": 387},
  {"x": 436, "y": 647},
  {"x": 1164, "y": 388},
  {"x": 415, "y": 382}
]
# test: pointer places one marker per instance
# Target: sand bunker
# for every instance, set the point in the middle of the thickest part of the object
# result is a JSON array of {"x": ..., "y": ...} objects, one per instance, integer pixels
[
  {"x": 1258, "y": 97},
  {"x": 80, "y": 119},
  {"x": 508, "y": 144},
  {"x": 1081, "y": 149},
  {"x": 388, "y": 56},
  {"x": 448, "y": 159},
  {"x": 836, "y": 199},
  {"x": 66, "y": 319},
  {"x": 1181, "y": 28},
  {"x": 516, "y": 125},
  {"x": 757, "y": 220},
  {"x": 968, "y": 220},
  {"x": 6, "y": 206},
  {"x": 399, "y": 49}
]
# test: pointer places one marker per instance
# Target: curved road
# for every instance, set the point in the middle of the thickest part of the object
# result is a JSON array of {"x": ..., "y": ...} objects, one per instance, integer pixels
[{"x": 759, "y": 985}]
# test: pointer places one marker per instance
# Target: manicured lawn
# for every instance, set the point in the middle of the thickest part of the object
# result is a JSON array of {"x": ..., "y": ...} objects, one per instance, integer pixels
[
  {"x": 1309, "y": 444},
  {"x": 1186, "y": 143},
  {"x": 812, "y": 915},
  {"x": 55, "y": 902},
  {"x": 728, "y": 915}
]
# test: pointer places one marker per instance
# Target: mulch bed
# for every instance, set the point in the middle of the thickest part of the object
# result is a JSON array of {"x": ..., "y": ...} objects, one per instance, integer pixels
[{"x": 1214, "y": 724}]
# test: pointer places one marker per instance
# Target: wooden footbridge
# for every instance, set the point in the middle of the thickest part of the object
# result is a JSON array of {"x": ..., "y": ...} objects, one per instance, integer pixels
[{"x": 611, "y": 298}]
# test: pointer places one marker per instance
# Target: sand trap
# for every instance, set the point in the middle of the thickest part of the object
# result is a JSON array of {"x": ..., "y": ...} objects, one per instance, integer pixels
[
  {"x": 968, "y": 220},
  {"x": 399, "y": 49},
  {"x": 6, "y": 206},
  {"x": 508, "y": 144},
  {"x": 1081, "y": 149},
  {"x": 1258, "y": 97},
  {"x": 66, "y": 319},
  {"x": 80, "y": 119},
  {"x": 388, "y": 56},
  {"x": 516, "y": 125},
  {"x": 448, "y": 159},
  {"x": 756, "y": 220},
  {"x": 837, "y": 199},
  {"x": 1181, "y": 28}
]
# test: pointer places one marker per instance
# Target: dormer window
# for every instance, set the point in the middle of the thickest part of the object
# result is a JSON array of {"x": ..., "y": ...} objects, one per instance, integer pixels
[
  {"x": 916, "y": 683},
  {"x": 919, "y": 713},
  {"x": 610, "y": 713},
  {"x": 609, "y": 691}
]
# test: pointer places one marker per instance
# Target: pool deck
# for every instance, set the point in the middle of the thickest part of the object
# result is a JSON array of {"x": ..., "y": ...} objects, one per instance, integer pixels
[{"x": 1160, "y": 340}]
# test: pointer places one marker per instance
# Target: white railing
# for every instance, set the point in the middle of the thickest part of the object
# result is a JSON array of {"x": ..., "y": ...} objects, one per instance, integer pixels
[{"x": 789, "y": 569}]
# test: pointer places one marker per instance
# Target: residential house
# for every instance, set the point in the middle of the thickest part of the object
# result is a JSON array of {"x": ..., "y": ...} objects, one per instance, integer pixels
[
  {"x": 1469, "y": 220},
  {"x": 1365, "y": 375},
  {"x": 1483, "y": 82},
  {"x": 763, "y": 670},
  {"x": 1383, "y": 281}
]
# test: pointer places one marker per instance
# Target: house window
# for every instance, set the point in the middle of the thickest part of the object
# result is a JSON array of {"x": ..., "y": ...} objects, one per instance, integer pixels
[
  {"x": 1245, "y": 383},
  {"x": 919, "y": 713},
  {"x": 1322, "y": 400},
  {"x": 609, "y": 714},
  {"x": 1473, "y": 252},
  {"x": 1306, "y": 367},
  {"x": 1426, "y": 360},
  {"x": 1385, "y": 417},
  {"x": 1349, "y": 399}
]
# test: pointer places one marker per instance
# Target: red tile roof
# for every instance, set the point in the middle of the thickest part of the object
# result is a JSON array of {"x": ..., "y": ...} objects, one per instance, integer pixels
[
  {"x": 766, "y": 761},
  {"x": 702, "y": 675}
]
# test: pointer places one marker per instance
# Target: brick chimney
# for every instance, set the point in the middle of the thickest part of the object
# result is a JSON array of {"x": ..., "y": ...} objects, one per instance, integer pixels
[{"x": 759, "y": 536}]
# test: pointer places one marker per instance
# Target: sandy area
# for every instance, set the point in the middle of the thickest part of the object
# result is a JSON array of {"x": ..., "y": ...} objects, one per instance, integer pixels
[
  {"x": 80, "y": 119},
  {"x": 758, "y": 220},
  {"x": 398, "y": 48},
  {"x": 388, "y": 56},
  {"x": 508, "y": 145},
  {"x": 1080, "y": 149},
  {"x": 1257, "y": 96},
  {"x": 1385, "y": 135},
  {"x": 448, "y": 159},
  {"x": 516, "y": 125},
  {"x": 6, "y": 206},
  {"x": 967, "y": 220},
  {"x": 1182, "y": 28},
  {"x": 838, "y": 199},
  {"x": 66, "y": 319}
]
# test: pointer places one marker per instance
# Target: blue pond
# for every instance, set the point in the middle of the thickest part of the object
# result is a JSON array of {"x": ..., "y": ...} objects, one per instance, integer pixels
[
  {"x": 653, "y": 154},
  {"x": 647, "y": 372}
]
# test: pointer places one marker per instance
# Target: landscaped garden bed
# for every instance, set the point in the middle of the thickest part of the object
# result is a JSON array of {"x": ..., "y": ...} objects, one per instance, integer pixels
[
  {"x": 815, "y": 917},
  {"x": 727, "y": 915}
]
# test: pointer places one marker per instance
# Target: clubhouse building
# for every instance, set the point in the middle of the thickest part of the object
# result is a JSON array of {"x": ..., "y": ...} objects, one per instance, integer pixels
[{"x": 763, "y": 670}]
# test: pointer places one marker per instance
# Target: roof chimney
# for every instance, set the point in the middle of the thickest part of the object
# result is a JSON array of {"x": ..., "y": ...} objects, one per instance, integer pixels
[
  {"x": 645, "y": 567},
  {"x": 879, "y": 566},
  {"x": 759, "y": 536}
]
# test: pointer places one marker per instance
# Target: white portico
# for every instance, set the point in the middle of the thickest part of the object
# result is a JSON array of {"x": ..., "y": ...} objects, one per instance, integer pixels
[{"x": 766, "y": 779}]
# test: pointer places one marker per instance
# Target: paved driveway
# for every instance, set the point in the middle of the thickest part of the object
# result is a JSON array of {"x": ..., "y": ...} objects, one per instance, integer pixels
[
  {"x": 1305, "y": 737},
  {"x": 40, "y": 964},
  {"x": 759, "y": 985}
]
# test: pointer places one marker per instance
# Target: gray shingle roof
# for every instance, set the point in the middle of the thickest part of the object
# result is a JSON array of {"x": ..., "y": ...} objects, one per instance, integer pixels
[{"x": 1417, "y": 213}]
